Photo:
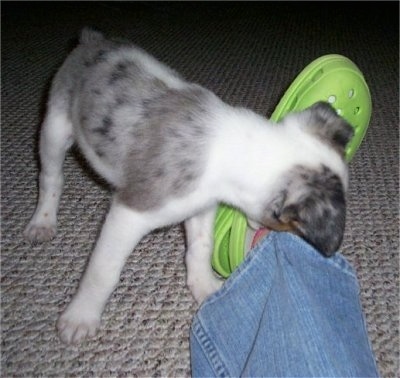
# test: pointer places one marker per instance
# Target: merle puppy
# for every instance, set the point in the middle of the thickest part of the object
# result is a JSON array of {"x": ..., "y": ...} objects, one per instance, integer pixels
[{"x": 173, "y": 151}]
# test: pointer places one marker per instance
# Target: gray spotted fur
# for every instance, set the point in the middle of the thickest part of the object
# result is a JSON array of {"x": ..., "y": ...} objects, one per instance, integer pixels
[
  {"x": 152, "y": 135},
  {"x": 169, "y": 150}
]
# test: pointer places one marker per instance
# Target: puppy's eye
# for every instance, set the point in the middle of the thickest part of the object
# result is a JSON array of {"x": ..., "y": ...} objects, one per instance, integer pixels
[{"x": 290, "y": 213}]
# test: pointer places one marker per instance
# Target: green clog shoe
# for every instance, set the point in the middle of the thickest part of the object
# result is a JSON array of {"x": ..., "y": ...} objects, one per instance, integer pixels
[{"x": 332, "y": 78}]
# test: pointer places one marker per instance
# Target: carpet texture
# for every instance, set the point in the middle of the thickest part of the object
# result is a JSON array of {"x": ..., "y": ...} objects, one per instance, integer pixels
[{"x": 248, "y": 54}]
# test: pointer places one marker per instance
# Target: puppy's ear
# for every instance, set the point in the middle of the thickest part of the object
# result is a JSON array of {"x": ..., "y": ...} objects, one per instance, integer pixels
[{"x": 323, "y": 121}]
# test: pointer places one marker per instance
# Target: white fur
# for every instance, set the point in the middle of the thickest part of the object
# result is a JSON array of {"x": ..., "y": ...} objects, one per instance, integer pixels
[
  {"x": 250, "y": 154},
  {"x": 121, "y": 231},
  {"x": 56, "y": 138}
]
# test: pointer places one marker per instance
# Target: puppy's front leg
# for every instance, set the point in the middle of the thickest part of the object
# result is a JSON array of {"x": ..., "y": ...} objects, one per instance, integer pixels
[
  {"x": 121, "y": 231},
  {"x": 201, "y": 278}
]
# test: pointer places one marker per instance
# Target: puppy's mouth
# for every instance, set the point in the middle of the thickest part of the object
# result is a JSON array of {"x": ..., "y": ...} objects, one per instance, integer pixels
[
  {"x": 294, "y": 227},
  {"x": 289, "y": 226},
  {"x": 284, "y": 223}
]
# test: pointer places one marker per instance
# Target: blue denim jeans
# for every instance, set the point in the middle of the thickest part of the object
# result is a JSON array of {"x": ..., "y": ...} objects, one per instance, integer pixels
[{"x": 287, "y": 311}]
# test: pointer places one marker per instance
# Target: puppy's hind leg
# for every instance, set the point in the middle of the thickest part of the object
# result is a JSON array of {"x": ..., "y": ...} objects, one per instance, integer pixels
[
  {"x": 55, "y": 139},
  {"x": 121, "y": 231},
  {"x": 201, "y": 279}
]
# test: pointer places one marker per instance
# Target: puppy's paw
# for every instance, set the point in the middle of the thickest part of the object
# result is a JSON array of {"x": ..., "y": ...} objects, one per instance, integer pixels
[
  {"x": 74, "y": 325},
  {"x": 201, "y": 289},
  {"x": 39, "y": 232}
]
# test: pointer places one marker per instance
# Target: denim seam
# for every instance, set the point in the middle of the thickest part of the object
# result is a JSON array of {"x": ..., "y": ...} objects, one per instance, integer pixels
[{"x": 208, "y": 347}]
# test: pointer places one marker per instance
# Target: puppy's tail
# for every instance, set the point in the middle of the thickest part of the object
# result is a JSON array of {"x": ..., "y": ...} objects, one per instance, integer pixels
[{"x": 90, "y": 36}]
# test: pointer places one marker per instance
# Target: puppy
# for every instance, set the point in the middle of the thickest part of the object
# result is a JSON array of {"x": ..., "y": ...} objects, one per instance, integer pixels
[{"x": 173, "y": 151}]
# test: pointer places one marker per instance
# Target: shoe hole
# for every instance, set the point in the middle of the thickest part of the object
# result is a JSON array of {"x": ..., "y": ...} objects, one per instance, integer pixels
[
  {"x": 317, "y": 75},
  {"x": 293, "y": 103},
  {"x": 339, "y": 111},
  {"x": 351, "y": 93},
  {"x": 356, "y": 110},
  {"x": 332, "y": 99}
]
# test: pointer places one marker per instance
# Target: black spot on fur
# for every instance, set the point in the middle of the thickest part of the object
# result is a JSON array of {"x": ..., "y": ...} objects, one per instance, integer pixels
[
  {"x": 101, "y": 130},
  {"x": 120, "y": 72},
  {"x": 105, "y": 128},
  {"x": 99, "y": 153},
  {"x": 100, "y": 56},
  {"x": 120, "y": 100},
  {"x": 107, "y": 122},
  {"x": 160, "y": 172},
  {"x": 183, "y": 181}
]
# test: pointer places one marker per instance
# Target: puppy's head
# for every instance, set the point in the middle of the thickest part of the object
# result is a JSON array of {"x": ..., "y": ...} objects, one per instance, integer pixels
[
  {"x": 311, "y": 199},
  {"x": 312, "y": 205}
]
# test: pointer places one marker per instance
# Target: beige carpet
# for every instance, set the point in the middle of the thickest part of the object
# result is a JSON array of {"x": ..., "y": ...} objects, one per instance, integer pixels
[{"x": 248, "y": 53}]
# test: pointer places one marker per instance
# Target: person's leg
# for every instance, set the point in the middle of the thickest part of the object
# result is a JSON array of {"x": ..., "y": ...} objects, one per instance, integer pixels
[{"x": 286, "y": 311}]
